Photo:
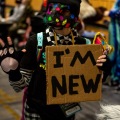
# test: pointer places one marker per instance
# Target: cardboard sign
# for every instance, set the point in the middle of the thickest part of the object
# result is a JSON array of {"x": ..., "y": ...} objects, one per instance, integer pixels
[{"x": 72, "y": 74}]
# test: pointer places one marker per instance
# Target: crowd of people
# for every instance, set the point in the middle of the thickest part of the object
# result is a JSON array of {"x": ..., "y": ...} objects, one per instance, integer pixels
[
  {"x": 19, "y": 18},
  {"x": 56, "y": 20}
]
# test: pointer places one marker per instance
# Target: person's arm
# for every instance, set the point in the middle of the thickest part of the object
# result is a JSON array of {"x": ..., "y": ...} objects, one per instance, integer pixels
[
  {"x": 27, "y": 66},
  {"x": 19, "y": 69}
]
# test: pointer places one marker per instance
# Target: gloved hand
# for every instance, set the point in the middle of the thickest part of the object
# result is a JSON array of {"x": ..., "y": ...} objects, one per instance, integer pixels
[
  {"x": 103, "y": 63},
  {"x": 9, "y": 57}
]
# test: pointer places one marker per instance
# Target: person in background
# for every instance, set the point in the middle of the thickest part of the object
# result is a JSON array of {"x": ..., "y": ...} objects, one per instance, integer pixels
[
  {"x": 23, "y": 23},
  {"x": 27, "y": 14},
  {"x": 61, "y": 17},
  {"x": 17, "y": 13},
  {"x": 91, "y": 14},
  {"x": 86, "y": 10},
  {"x": 114, "y": 40},
  {"x": 37, "y": 24},
  {"x": 7, "y": 22}
]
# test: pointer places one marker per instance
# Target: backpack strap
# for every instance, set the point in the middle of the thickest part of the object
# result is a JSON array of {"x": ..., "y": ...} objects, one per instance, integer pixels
[
  {"x": 39, "y": 45},
  {"x": 87, "y": 41}
]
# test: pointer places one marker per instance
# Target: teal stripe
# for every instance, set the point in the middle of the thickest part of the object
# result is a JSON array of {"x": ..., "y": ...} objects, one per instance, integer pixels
[
  {"x": 40, "y": 39},
  {"x": 87, "y": 41}
]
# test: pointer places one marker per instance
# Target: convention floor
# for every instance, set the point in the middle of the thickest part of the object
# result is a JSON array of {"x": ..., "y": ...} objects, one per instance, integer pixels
[{"x": 11, "y": 105}]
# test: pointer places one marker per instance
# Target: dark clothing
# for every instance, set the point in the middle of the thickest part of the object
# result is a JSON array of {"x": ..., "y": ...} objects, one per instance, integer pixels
[
  {"x": 37, "y": 86},
  {"x": 35, "y": 76}
]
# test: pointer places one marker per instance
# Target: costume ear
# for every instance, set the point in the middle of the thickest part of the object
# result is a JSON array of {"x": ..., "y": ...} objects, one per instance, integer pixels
[{"x": 100, "y": 39}]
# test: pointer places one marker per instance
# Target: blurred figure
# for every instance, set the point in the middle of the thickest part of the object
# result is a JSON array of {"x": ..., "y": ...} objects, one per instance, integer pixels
[
  {"x": 91, "y": 14},
  {"x": 19, "y": 27},
  {"x": 87, "y": 10},
  {"x": 37, "y": 24},
  {"x": 17, "y": 13},
  {"x": 114, "y": 40},
  {"x": 10, "y": 20}
]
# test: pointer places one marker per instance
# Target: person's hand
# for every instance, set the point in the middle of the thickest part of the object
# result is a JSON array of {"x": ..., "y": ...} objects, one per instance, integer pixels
[
  {"x": 9, "y": 57},
  {"x": 101, "y": 60},
  {"x": 103, "y": 63}
]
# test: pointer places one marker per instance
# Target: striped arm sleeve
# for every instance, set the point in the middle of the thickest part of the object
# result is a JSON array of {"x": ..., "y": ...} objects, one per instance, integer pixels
[{"x": 19, "y": 85}]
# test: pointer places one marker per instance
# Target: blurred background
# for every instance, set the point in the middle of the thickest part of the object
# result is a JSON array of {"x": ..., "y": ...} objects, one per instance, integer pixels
[{"x": 22, "y": 18}]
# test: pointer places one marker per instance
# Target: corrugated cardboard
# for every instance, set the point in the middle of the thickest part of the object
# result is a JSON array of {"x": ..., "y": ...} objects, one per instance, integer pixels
[{"x": 73, "y": 66}]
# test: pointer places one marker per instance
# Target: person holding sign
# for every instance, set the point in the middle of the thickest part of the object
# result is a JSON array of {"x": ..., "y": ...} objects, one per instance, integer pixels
[{"x": 30, "y": 69}]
